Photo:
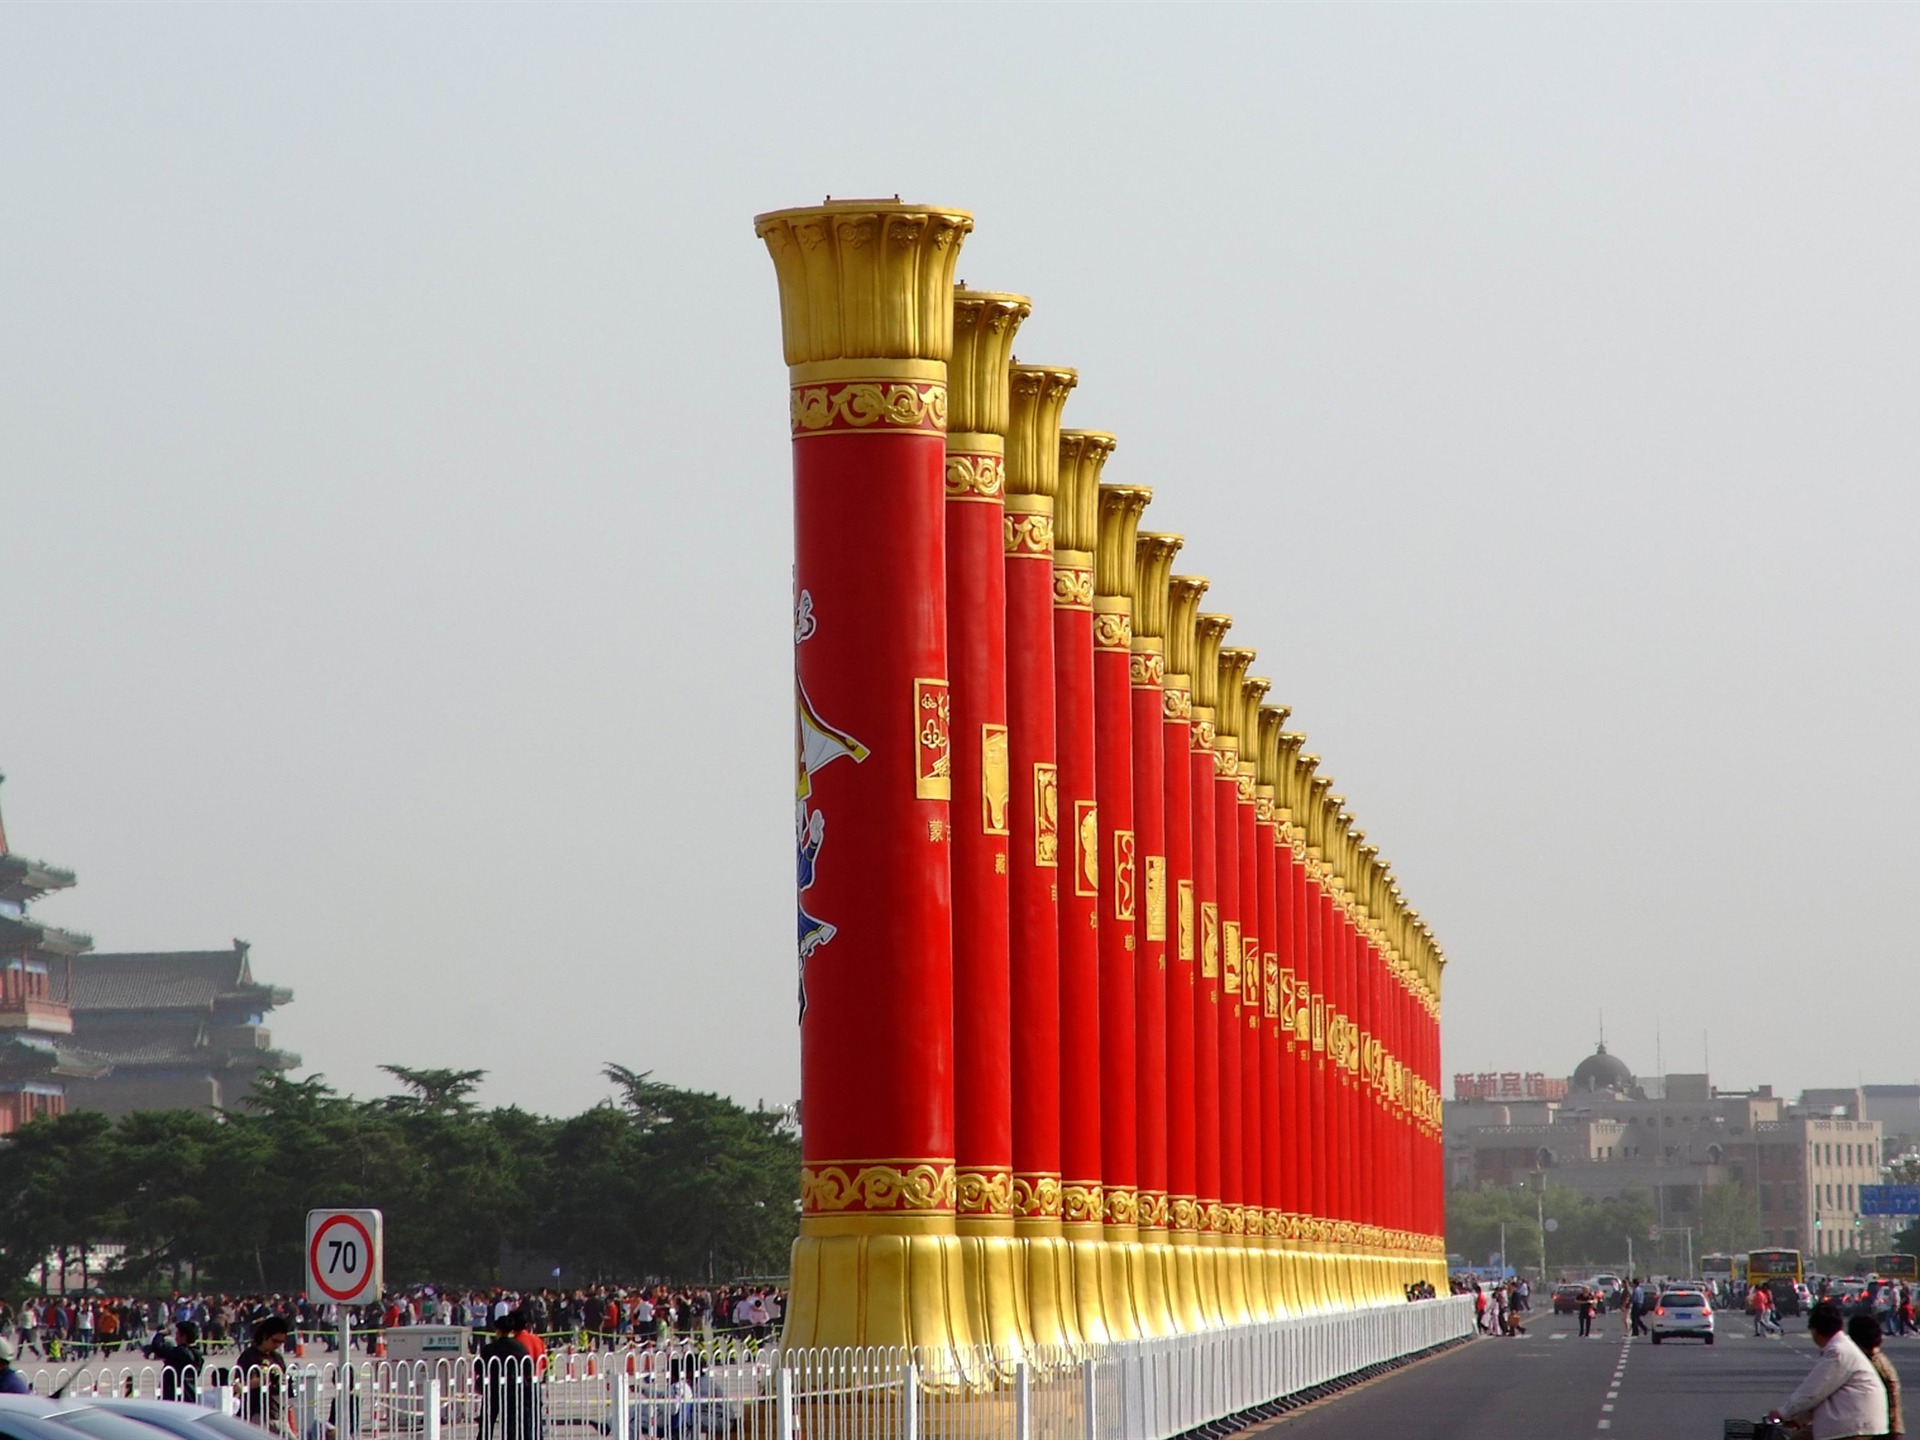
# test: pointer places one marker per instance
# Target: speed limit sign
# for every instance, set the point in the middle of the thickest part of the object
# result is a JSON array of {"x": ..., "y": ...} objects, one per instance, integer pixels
[{"x": 343, "y": 1256}]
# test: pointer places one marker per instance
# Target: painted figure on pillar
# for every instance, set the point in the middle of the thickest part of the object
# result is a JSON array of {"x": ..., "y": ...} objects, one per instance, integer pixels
[{"x": 816, "y": 744}]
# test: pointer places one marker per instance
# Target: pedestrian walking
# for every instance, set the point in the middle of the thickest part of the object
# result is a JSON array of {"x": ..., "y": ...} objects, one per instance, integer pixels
[
  {"x": 1479, "y": 1308},
  {"x": 261, "y": 1376},
  {"x": 1586, "y": 1312},
  {"x": 12, "y": 1382}
]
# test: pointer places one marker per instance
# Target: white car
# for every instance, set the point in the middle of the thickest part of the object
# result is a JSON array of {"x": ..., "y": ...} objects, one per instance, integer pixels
[{"x": 1681, "y": 1312}]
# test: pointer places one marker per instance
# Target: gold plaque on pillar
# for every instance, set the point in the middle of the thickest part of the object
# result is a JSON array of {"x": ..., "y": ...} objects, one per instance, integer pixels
[
  {"x": 1272, "y": 988},
  {"x": 1185, "y": 903},
  {"x": 1230, "y": 953},
  {"x": 1156, "y": 897},
  {"x": 1289, "y": 1019},
  {"x": 932, "y": 742},
  {"x": 1209, "y": 940},
  {"x": 1320, "y": 1023},
  {"x": 996, "y": 787},
  {"x": 1086, "y": 840},
  {"x": 1123, "y": 875},
  {"x": 1302, "y": 1011},
  {"x": 1046, "y": 815}
]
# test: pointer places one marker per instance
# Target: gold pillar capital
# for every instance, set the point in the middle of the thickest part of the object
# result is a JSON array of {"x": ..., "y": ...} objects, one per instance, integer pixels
[
  {"x": 1076, "y": 509},
  {"x": 978, "y": 380},
  {"x": 865, "y": 279},
  {"x": 1152, "y": 570},
  {"x": 1121, "y": 507},
  {"x": 1232, "y": 705},
  {"x": 1208, "y": 631},
  {"x": 1039, "y": 394}
]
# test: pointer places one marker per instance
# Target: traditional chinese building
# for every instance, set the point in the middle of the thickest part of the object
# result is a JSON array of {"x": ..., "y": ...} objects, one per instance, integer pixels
[
  {"x": 38, "y": 1059},
  {"x": 182, "y": 1030}
]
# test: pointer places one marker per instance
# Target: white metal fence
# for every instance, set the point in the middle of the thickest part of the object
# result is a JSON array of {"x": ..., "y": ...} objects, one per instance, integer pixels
[{"x": 1134, "y": 1390}]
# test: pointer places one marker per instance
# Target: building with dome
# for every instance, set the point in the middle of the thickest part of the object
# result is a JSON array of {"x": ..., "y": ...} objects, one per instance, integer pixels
[
  {"x": 1677, "y": 1136},
  {"x": 1601, "y": 1072}
]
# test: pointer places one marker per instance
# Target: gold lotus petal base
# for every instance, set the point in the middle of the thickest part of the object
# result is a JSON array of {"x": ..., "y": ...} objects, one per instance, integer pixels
[
  {"x": 878, "y": 1289},
  {"x": 995, "y": 1274}
]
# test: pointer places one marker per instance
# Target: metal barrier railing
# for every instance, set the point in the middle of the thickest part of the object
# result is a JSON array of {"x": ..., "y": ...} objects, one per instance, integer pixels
[{"x": 1131, "y": 1390}]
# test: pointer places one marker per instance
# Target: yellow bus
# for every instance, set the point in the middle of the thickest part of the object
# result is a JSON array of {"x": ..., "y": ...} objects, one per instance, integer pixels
[{"x": 1895, "y": 1266}]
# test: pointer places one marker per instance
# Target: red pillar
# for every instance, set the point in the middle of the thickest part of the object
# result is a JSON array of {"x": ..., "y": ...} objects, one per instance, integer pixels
[
  {"x": 866, "y": 310},
  {"x": 1231, "y": 669},
  {"x": 1161, "y": 616},
  {"x": 1128, "y": 1307},
  {"x": 1193, "y": 1048},
  {"x": 978, "y": 406},
  {"x": 1152, "y": 562},
  {"x": 1076, "y": 526},
  {"x": 1035, "y": 850},
  {"x": 1229, "y": 1302}
]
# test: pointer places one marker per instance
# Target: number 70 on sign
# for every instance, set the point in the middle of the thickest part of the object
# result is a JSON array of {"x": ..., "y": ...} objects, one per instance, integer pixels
[{"x": 344, "y": 1258}]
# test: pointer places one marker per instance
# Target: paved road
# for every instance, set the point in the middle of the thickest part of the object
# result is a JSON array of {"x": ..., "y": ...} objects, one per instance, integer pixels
[{"x": 1552, "y": 1385}]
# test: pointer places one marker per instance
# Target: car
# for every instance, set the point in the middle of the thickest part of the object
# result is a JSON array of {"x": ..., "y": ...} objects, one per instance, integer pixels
[
  {"x": 19, "y": 1423},
  {"x": 1566, "y": 1299},
  {"x": 1681, "y": 1312},
  {"x": 182, "y": 1420},
  {"x": 73, "y": 1417}
]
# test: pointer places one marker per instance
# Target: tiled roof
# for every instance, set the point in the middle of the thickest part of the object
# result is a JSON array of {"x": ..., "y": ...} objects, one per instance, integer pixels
[{"x": 167, "y": 980}]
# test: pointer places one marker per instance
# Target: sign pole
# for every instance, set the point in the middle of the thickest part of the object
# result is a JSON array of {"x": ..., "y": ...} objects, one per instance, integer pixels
[{"x": 345, "y": 1425}]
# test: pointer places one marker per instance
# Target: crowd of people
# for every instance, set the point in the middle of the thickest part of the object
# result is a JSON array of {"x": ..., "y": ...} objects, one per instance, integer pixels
[
  {"x": 68, "y": 1328},
  {"x": 1498, "y": 1308}
]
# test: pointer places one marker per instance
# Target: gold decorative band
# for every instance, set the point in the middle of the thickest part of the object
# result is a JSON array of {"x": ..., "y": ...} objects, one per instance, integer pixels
[
  {"x": 869, "y": 407},
  {"x": 1213, "y": 1217},
  {"x": 974, "y": 476},
  {"x": 984, "y": 1192},
  {"x": 1072, "y": 584},
  {"x": 1123, "y": 1206},
  {"x": 1146, "y": 668},
  {"x": 1155, "y": 1210},
  {"x": 1112, "y": 629},
  {"x": 1184, "y": 1212},
  {"x": 1026, "y": 537},
  {"x": 1081, "y": 1203},
  {"x": 1036, "y": 1197},
  {"x": 878, "y": 1185}
]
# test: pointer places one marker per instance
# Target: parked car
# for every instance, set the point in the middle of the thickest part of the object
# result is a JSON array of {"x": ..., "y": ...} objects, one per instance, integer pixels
[
  {"x": 72, "y": 1418},
  {"x": 1681, "y": 1312},
  {"x": 1566, "y": 1299},
  {"x": 181, "y": 1420}
]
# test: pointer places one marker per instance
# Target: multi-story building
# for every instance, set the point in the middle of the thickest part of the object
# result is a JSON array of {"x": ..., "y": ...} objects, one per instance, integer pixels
[
  {"x": 182, "y": 1030},
  {"x": 119, "y": 1033},
  {"x": 1677, "y": 1137},
  {"x": 37, "y": 1056}
]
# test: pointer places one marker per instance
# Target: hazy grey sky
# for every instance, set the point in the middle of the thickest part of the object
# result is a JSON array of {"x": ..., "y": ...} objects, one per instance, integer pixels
[{"x": 394, "y": 485}]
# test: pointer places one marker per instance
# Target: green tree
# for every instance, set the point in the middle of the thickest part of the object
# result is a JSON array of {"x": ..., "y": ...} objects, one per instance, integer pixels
[{"x": 1729, "y": 1219}]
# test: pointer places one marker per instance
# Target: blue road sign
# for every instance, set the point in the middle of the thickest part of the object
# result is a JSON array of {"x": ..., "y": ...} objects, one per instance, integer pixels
[{"x": 1890, "y": 1199}]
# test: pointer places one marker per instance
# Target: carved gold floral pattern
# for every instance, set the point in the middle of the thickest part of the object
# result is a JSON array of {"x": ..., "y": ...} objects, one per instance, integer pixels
[
  {"x": 878, "y": 1186},
  {"x": 868, "y": 405},
  {"x": 1082, "y": 1204},
  {"x": 1111, "y": 631},
  {"x": 1123, "y": 1206},
  {"x": 1028, "y": 535},
  {"x": 976, "y": 477},
  {"x": 1072, "y": 589},
  {"x": 1147, "y": 669},
  {"x": 984, "y": 1192},
  {"x": 1037, "y": 1197}
]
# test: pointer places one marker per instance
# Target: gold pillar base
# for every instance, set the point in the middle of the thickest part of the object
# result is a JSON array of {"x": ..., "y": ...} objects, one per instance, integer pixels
[
  {"x": 1153, "y": 1288},
  {"x": 878, "y": 1288},
  {"x": 1052, "y": 1320},
  {"x": 1230, "y": 1268},
  {"x": 1252, "y": 1248},
  {"x": 1183, "y": 1270},
  {"x": 1286, "y": 1304},
  {"x": 1122, "y": 1267},
  {"x": 1086, "y": 1260},
  {"x": 994, "y": 1272}
]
